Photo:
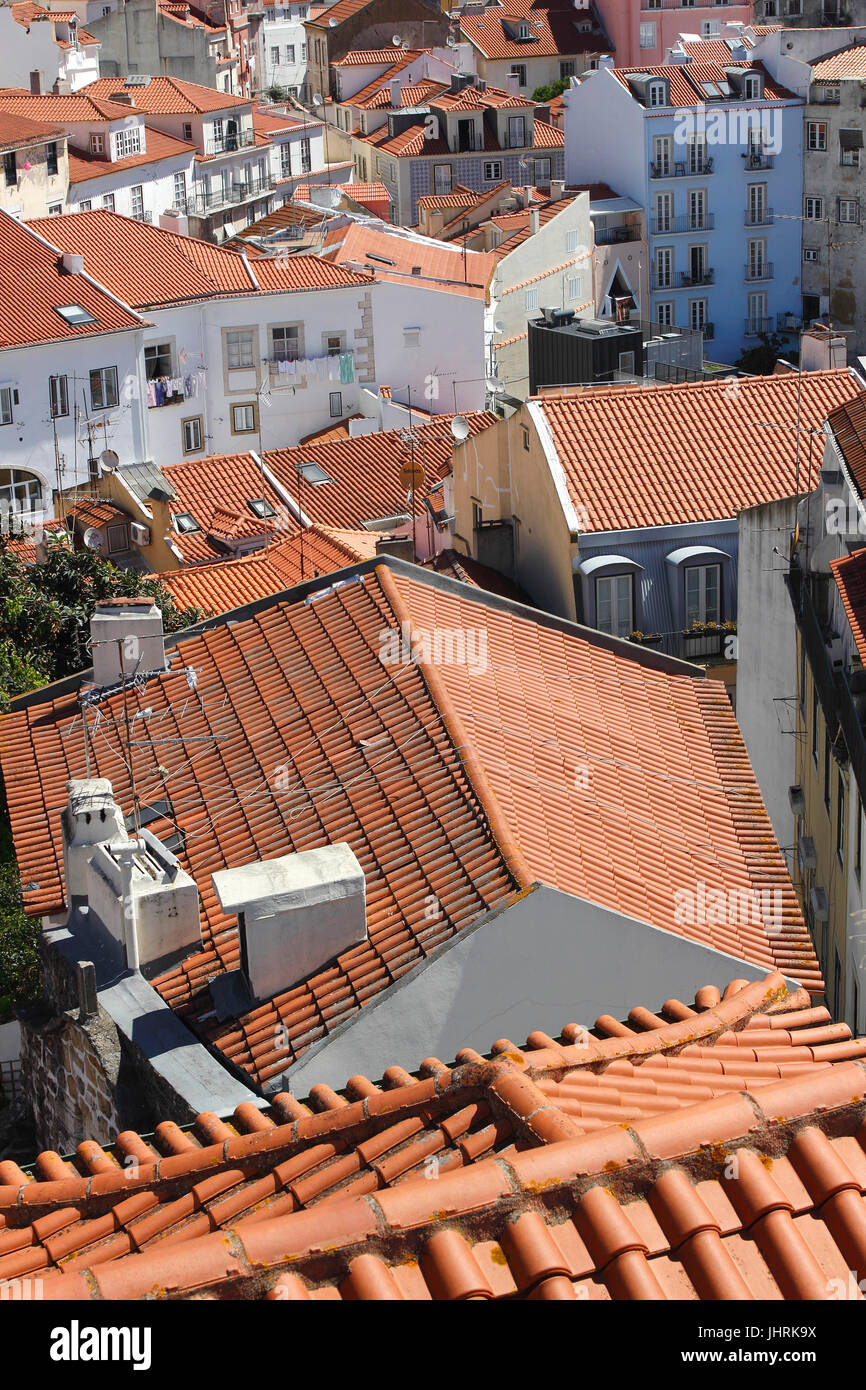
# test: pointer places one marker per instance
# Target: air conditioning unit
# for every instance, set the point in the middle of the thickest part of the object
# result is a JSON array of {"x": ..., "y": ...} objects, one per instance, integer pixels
[
  {"x": 806, "y": 852},
  {"x": 819, "y": 904},
  {"x": 140, "y": 534},
  {"x": 796, "y": 800}
]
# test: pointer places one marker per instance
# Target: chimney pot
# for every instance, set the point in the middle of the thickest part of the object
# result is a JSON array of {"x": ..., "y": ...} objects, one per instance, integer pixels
[
  {"x": 72, "y": 263},
  {"x": 36, "y": 84},
  {"x": 126, "y": 638}
]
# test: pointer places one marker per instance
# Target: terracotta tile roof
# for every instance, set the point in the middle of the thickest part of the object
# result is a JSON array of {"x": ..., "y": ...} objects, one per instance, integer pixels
[
  {"x": 167, "y": 95},
  {"x": 211, "y": 489},
  {"x": 847, "y": 62},
  {"x": 20, "y": 130},
  {"x": 674, "y": 797},
  {"x": 470, "y": 571},
  {"x": 547, "y": 137},
  {"x": 473, "y": 99},
  {"x": 684, "y": 80},
  {"x": 365, "y": 192},
  {"x": 146, "y": 265},
  {"x": 376, "y": 97},
  {"x": 380, "y": 83},
  {"x": 227, "y": 584},
  {"x": 848, "y": 425},
  {"x": 329, "y": 433},
  {"x": 553, "y": 32},
  {"x": 24, "y": 546},
  {"x": 673, "y": 1164},
  {"x": 84, "y": 166},
  {"x": 688, "y": 453},
  {"x": 85, "y": 105},
  {"x": 715, "y": 50},
  {"x": 339, "y": 13},
  {"x": 33, "y": 288},
  {"x": 93, "y": 511},
  {"x": 269, "y": 122},
  {"x": 460, "y": 198},
  {"x": 362, "y": 57},
  {"x": 419, "y": 259},
  {"x": 850, "y": 575},
  {"x": 184, "y": 14}
]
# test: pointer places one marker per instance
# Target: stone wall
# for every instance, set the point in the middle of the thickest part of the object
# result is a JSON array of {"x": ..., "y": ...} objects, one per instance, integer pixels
[{"x": 70, "y": 1071}]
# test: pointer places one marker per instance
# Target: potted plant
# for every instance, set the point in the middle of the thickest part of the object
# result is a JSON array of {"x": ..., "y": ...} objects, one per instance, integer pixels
[{"x": 644, "y": 639}]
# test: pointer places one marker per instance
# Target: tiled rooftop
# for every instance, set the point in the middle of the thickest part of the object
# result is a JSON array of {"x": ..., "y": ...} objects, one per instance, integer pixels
[
  {"x": 847, "y": 62},
  {"x": 694, "y": 452},
  {"x": 391, "y": 256},
  {"x": 712, "y": 1151},
  {"x": 848, "y": 426},
  {"x": 372, "y": 756},
  {"x": 83, "y": 165},
  {"x": 553, "y": 32},
  {"x": 17, "y": 131},
  {"x": 849, "y": 573},
  {"x": 685, "y": 80},
  {"x": 167, "y": 95}
]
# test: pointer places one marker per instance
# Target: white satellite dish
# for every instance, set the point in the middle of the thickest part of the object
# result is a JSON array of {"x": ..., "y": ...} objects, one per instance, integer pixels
[
  {"x": 460, "y": 428},
  {"x": 93, "y": 538},
  {"x": 317, "y": 100},
  {"x": 451, "y": 41},
  {"x": 336, "y": 197},
  {"x": 499, "y": 326},
  {"x": 109, "y": 460},
  {"x": 332, "y": 24},
  {"x": 495, "y": 386},
  {"x": 396, "y": 41}
]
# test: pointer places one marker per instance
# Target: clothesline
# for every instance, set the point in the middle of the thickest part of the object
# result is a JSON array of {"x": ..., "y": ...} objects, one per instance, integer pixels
[
  {"x": 161, "y": 389},
  {"x": 333, "y": 367}
]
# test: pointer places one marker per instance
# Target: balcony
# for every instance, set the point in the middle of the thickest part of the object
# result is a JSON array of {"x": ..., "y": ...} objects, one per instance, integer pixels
[
  {"x": 667, "y": 226},
  {"x": 755, "y": 326},
  {"x": 758, "y": 161},
  {"x": 611, "y": 236},
  {"x": 758, "y": 270},
  {"x": 683, "y": 280},
  {"x": 228, "y": 144},
  {"x": 758, "y": 218},
  {"x": 703, "y": 644},
  {"x": 709, "y": 331},
  {"x": 202, "y": 204},
  {"x": 680, "y": 169}
]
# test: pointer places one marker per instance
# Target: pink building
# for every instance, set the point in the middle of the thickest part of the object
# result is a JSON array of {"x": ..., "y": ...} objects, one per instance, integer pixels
[{"x": 641, "y": 31}]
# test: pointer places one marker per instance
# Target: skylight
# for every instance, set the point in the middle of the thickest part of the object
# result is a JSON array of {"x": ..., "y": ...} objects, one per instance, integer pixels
[
  {"x": 184, "y": 523},
  {"x": 74, "y": 314},
  {"x": 259, "y": 507}
]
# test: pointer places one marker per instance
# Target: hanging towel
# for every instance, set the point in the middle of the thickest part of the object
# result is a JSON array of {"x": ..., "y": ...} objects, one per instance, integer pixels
[
  {"x": 333, "y": 369},
  {"x": 159, "y": 387},
  {"x": 151, "y": 393},
  {"x": 347, "y": 368},
  {"x": 322, "y": 368}
]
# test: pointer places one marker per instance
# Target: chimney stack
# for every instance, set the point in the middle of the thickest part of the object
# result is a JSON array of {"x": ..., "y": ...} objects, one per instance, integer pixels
[
  {"x": 73, "y": 264},
  {"x": 557, "y": 190},
  {"x": 36, "y": 84},
  {"x": 533, "y": 221},
  {"x": 90, "y": 818},
  {"x": 512, "y": 84},
  {"x": 126, "y": 639},
  {"x": 144, "y": 901},
  {"x": 396, "y": 87}
]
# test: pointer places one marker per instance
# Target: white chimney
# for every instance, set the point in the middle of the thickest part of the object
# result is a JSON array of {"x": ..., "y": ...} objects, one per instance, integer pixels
[
  {"x": 606, "y": 61},
  {"x": 126, "y": 639},
  {"x": 512, "y": 84},
  {"x": 144, "y": 900},
  {"x": 557, "y": 190},
  {"x": 175, "y": 221},
  {"x": 533, "y": 221},
  {"x": 295, "y": 914},
  {"x": 396, "y": 92},
  {"x": 91, "y": 816},
  {"x": 72, "y": 264}
]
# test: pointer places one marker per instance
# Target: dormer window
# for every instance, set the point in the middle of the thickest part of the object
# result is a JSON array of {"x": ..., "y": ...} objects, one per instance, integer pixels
[
  {"x": 752, "y": 86},
  {"x": 523, "y": 29},
  {"x": 657, "y": 94},
  {"x": 97, "y": 144}
]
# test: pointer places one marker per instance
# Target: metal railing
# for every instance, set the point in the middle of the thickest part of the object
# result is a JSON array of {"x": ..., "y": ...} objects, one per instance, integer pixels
[
  {"x": 759, "y": 270},
  {"x": 240, "y": 191},
  {"x": 610, "y": 236},
  {"x": 683, "y": 280},
  {"x": 758, "y": 219},
  {"x": 709, "y": 331},
  {"x": 680, "y": 168},
  {"x": 758, "y": 161},
  {"x": 663, "y": 226},
  {"x": 756, "y": 326},
  {"x": 227, "y": 144}
]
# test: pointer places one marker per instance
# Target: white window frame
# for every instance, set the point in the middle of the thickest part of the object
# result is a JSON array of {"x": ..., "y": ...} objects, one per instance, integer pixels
[
  {"x": 106, "y": 396},
  {"x": 192, "y": 435},
  {"x": 697, "y": 608},
  {"x": 648, "y": 34},
  {"x": 6, "y": 416},
  {"x": 240, "y": 345},
  {"x": 249, "y": 418},
  {"x": 530, "y": 300},
  {"x": 58, "y": 396},
  {"x": 611, "y": 592},
  {"x": 493, "y": 171},
  {"x": 813, "y": 209},
  {"x": 816, "y": 136}
]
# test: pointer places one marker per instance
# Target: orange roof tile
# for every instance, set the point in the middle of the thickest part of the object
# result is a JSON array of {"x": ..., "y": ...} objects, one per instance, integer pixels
[
  {"x": 552, "y": 32},
  {"x": 21, "y": 130},
  {"x": 83, "y": 165},
  {"x": 850, "y": 574},
  {"x": 693, "y": 452},
  {"x": 362, "y": 57},
  {"x": 167, "y": 95},
  {"x": 329, "y": 433},
  {"x": 343, "y": 10},
  {"x": 685, "y": 78},
  {"x": 227, "y": 584},
  {"x": 428, "y": 263},
  {"x": 477, "y": 812},
  {"x": 85, "y": 105},
  {"x": 847, "y": 62},
  {"x": 848, "y": 425},
  {"x": 675, "y": 1163},
  {"x": 146, "y": 265},
  {"x": 33, "y": 288}
]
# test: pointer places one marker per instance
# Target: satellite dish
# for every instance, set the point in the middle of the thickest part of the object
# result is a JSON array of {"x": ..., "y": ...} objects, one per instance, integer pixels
[
  {"x": 332, "y": 24},
  {"x": 109, "y": 460},
  {"x": 397, "y": 41},
  {"x": 495, "y": 386},
  {"x": 336, "y": 197},
  {"x": 317, "y": 100},
  {"x": 460, "y": 428},
  {"x": 499, "y": 326},
  {"x": 93, "y": 538}
]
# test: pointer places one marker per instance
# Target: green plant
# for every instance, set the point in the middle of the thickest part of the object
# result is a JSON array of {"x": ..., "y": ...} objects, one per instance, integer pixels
[
  {"x": 19, "y": 934},
  {"x": 761, "y": 361},
  {"x": 548, "y": 93}
]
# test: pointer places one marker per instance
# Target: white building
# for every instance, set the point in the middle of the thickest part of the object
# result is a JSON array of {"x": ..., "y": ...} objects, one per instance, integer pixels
[
  {"x": 282, "y": 51},
  {"x": 45, "y": 50}
]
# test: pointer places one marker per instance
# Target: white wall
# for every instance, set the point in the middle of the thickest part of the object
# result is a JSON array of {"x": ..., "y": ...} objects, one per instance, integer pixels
[
  {"x": 23, "y": 51},
  {"x": 604, "y": 138},
  {"x": 156, "y": 180},
  {"x": 450, "y": 354}
]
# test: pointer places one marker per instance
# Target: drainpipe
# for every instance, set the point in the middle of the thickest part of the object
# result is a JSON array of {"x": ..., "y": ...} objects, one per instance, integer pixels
[{"x": 125, "y": 853}]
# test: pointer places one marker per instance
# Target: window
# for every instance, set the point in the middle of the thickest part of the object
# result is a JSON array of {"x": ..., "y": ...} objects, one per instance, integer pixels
[
  {"x": 813, "y": 209},
  {"x": 523, "y": 30},
  {"x": 74, "y": 314},
  {"x": 703, "y": 591},
  {"x": 10, "y": 169},
  {"x": 306, "y": 157},
  {"x": 136, "y": 198},
  {"x": 697, "y": 210},
  {"x": 157, "y": 360},
  {"x": 756, "y": 266},
  {"x": 240, "y": 349},
  {"x": 5, "y": 405},
  {"x": 108, "y": 201},
  {"x": 285, "y": 161},
  {"x": 97, "y": 144},
  {"x": 261, "y": 507},
  {"x": 698, "y": 161},
  {"x": 530, "y": 299},
  {"x": 103, "y": 388},
  {"x": 55, "y": 209},
  {"x": 566, "y": 70},
  {"x": 85, "y": 205},
  {"x": 648, "y": 35},
  {"x": 849, "y": 210},
  {"x": 516, "y": 132},
  {"x": 441, "y": 178},
  {"x": 574, "y": 291},
  {"x": 51, "y": 165},
  {"x": 664, "y": 267},
  {"x": 662, "y": 156},
  {"x": 58, "y": 396},
  {"x": 191, "y": 434},
  {"x": 187, "y": 131},
  {"x": 571, "y": 241},
  {"x": 518, "y": 70},
  {"x": 664, "y": 212},
  {"x": 127, "y": 142},
  {"x": 493, "y": 171},
  {"x": 335, "y": 343},
  {"x": 757, "y": 314},
  {"x": 244, "y": 418},
  {"x": 816, "y": 135},
  {"x": 275, "y": 54},
  {"x": 542, "y": 171},
  {"x": 290, "y": 53},
  {"x": 335, "y": 404},
  {"x": 840, "y": 817},
  {"x": 180, "y": 190},
  {"x": 285, "y": 343},
  {"x": 656, "y": 94},
  {"x": 756, "y": 204},
  {"x": 525, "y": 437},
  {"x": 613, "y": 605},
  {"x": 698, "y": 314},
  {"x": 815, "y": 726},
  {"x": 665, "y": 314},
  {"x": 752, "y": 86},
  {"x": 185, "y": 523},
  {"x": 850, "y": 145}
]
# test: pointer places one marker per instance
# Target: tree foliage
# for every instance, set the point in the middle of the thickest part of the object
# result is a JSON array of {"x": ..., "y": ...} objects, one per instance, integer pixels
[
  {"x": 761, "y": 360},
  {"x": 45, "y": 613},
  {"x": 554, "y": 89}
]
